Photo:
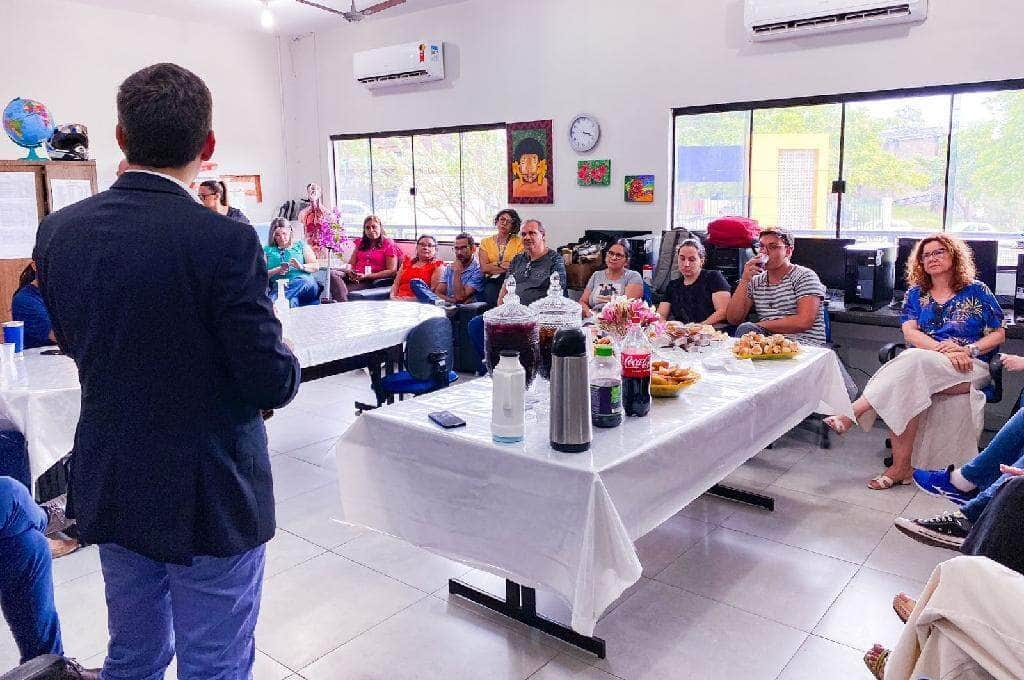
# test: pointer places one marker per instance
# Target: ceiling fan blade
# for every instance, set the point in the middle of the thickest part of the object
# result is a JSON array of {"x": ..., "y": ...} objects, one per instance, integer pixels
[
  {"x": 323, "y": 7},
  {"x": 380, "y": 7}
]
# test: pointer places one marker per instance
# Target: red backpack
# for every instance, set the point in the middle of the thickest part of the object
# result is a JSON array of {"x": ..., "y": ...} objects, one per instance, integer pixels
[{"x": 733, "y": 232}]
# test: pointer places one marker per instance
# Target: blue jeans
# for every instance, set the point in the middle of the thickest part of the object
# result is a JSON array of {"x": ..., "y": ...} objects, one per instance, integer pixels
[
  {"x": 423, "y": 292},
  {"x": 205, "y": 614},
  {"x": 475, "y": 328},
  {"x": 1006, "y": 448},
  {"x": 26, "y": 579},
  {"x": 300, "y": 291}
]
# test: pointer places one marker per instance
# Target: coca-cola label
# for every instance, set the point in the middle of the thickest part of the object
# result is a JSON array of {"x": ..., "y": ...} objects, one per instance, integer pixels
[{"x": 636, "y": 365}]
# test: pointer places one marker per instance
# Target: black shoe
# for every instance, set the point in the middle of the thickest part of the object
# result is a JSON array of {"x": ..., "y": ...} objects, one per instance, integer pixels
[
  {"x": 51, "y": 667},
  {"x": 55, "y": 511},
  {"x": 73, "y": 670},
  {"x": 948, "y": 530}
]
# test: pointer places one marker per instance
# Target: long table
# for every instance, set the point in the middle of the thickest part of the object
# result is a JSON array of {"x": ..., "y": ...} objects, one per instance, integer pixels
[
  {"x": 43, "y": 397},
  {"x": 567, "y": 523}
]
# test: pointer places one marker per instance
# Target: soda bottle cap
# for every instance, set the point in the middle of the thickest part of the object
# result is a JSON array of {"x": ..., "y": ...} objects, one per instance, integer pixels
[{"x": 604, "y": 351}]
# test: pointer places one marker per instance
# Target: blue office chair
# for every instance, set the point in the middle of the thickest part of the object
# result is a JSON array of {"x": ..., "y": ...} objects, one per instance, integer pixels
[{"x": 428, "y": 364}]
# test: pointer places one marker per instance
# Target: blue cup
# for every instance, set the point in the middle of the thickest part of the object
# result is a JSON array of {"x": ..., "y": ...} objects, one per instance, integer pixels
[{"x": 14, "y": 332}]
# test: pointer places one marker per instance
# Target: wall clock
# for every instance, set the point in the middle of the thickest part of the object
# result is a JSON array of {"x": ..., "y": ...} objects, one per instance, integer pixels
[{"x": 584, "y": 133}]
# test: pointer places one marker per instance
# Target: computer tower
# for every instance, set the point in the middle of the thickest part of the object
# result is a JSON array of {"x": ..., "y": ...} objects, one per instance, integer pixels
[
  {"x": 729, "y": 261},
  {"x": 870, "y": 274},
  {"x": 1018, "y": 292}
]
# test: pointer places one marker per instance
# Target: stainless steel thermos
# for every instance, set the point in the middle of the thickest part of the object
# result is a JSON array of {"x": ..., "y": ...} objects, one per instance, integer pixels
[{"x": 570, "y": 392}]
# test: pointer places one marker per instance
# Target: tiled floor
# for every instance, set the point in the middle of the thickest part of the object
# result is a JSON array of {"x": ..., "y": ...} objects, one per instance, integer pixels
[{"x": 728, "y": 591}]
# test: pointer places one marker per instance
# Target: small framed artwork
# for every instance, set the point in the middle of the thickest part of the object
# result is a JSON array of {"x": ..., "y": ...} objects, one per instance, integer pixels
[
  {"x": 639, "y": 188},
  {"x": 531, "y": 175},
  {"x": 594, "y": 173}
]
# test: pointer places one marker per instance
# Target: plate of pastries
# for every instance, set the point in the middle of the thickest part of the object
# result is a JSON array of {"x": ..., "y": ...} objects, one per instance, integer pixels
[
  {"x": 668, "y": 379},
  {"x": 759, "y": 346}
]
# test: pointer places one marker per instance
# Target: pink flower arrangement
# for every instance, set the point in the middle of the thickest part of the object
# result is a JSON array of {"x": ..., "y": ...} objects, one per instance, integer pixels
[
  {"x": 615, "y": 316},
  {"x": 328, "y": 232}
]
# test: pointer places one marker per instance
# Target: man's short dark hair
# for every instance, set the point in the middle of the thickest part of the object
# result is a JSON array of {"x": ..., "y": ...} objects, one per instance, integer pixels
[
  {"x": 466, "y": 237},
  {"x": 781, "y": 234},
  {"x": 528, "y": 146},
  {"x": 165, "y": 113}
]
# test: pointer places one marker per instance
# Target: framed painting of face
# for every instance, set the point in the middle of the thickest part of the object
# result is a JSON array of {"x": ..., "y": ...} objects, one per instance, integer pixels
[{"x": 530, "y": 177}]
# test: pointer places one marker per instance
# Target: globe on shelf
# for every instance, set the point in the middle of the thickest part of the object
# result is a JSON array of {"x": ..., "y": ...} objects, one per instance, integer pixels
[{"x": 29, "y": 125}]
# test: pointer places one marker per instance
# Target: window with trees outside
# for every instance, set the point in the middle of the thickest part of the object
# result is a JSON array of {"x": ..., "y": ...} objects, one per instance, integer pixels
[
  {"x": 438, "y": 182},
  {"x": 873, "y": 167}
]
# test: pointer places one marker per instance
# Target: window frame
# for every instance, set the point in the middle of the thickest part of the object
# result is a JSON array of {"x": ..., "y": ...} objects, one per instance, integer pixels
[
  {"x": 843, "y": 99},
  {"x": 411, "y": 134}
]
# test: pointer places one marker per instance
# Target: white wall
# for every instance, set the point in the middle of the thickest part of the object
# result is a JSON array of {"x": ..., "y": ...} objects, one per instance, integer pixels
[
  {"x": 629, "y": 64},
  {"x": 75, "y": 56}
]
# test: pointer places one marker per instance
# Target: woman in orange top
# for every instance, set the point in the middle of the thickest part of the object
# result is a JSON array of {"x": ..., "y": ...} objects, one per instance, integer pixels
[{"x": 425, "y": 266}]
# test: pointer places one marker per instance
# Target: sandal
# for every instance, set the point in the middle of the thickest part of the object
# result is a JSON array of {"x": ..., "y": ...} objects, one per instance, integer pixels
[
  {"x": 883, "y": 482},
  {"x": 876, "y": 664},
  {"x": 903, "y": 605},
  {"x": 62, "y": 547},
  {"x": 838, "y": 424}
]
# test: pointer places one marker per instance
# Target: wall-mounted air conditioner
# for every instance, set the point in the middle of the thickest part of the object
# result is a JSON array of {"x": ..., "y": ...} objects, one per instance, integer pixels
[
  {"x": 774, "y": 19},
  {"x": 418, "y": 62}
]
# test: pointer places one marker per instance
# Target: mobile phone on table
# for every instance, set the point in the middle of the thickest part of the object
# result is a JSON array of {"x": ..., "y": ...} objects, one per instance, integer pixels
[{"x": 446, "y": 419}]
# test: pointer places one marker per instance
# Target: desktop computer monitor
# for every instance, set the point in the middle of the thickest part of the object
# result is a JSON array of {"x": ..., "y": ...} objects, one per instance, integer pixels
[
  {"x": 986, "y": 260},
  {"x": 826, "y": 256}
]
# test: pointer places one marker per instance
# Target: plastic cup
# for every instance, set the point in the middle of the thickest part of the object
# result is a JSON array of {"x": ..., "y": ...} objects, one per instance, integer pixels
[{"x": 14, "y": 332}]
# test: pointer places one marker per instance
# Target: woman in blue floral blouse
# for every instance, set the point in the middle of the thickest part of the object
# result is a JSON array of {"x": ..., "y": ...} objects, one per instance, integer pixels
[{"x": 953, "y": 325}]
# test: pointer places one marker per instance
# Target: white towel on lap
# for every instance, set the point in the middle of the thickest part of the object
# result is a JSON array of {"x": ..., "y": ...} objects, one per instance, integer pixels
[{"x": 949, "y": 426}]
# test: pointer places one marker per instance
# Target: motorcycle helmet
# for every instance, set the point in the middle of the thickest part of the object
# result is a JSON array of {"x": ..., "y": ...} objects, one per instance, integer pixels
[{"x": 69, "y": 142}]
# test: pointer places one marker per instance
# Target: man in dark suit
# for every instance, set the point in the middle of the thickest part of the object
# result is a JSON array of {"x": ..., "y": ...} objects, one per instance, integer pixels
[{"x": 163, "y": 306}]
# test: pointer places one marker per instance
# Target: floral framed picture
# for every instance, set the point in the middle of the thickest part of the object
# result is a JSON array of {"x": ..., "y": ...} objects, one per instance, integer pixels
[
  {"x": 594, "y": 173},
  {"x": 639, "y": 188}
]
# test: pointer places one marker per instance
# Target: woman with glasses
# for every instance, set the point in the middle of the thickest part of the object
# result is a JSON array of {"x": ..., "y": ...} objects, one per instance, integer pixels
[
  {"x": 952, "y": 324},
  {"x": 496, "y": 252},
  {"x": 699, "y": 295},
  {"x": 213, "y": 194},
  {"x": 425, "y": 266},
  {"x": 613, "y": 280}
]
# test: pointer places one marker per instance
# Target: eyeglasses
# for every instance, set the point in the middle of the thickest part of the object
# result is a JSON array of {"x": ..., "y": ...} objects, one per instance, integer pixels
[
  {"x": 770, "y": 246},
  {"x": 460, "y": 248},
  {"x": 617, "y": 256},
  {"x": 937, "y": 253},
  {"x": 203, "y": 197},
  {"x": 429, "y": 245}
]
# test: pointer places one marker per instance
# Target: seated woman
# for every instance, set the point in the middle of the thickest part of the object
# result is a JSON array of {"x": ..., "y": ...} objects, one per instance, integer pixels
[
  {"x": 953, "y": 323},
  {"x": 375, "y": 259},
  {"x": 27, "y": 306},
  {"x": 425, "y": 266},
  {"x": 496, "y": 253},
  {"x": 213, "y": 194},
  {"x": 293, "y": 261},
  {"x": 699, "y": 295},
  {"x": 613, "y": 280}
]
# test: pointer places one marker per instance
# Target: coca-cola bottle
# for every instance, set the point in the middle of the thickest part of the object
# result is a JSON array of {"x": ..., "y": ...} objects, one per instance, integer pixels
[{"x": 636, "y": 371}]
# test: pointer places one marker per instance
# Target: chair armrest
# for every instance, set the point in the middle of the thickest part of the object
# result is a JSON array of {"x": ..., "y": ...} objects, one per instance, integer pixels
[
  {"x": 889, "y": 351},
  {"x": 995, "y": 372},
  {"x": 467, "y": 311},
  {"x": 382, "y": 283}
]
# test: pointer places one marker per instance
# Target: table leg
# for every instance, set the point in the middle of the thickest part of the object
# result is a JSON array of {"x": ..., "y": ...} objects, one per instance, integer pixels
[
  {"x": 520, "y": 604},
  {"x": 742, "y": 496}
]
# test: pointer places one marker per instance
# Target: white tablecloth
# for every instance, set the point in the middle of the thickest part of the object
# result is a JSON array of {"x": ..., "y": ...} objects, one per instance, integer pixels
[
  {"x": 44, "y": 399},
  {"x": 566, "y": 522}
]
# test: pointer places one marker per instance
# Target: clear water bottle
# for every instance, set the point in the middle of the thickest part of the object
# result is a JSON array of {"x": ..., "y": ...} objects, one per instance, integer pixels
[{"x": 605, "y": 388}]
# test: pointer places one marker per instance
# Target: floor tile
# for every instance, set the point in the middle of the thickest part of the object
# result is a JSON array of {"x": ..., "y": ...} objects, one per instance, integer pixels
[
  {"x": 779, "y": 582},
  {"x": 82, "y": 606},
  {"x": 434, "y": 639},
  {"x": 710, "y": 509},
  {"x": 264, "y": 668},
  {"x": 313, "y": 608},
  {"x": 770, "y": 464},
  {"x": 663, "y": 632},
  {"x": 293, "y": 477},
  {"x": 293, "y": 429},
  {"x": 667, "y": 542},
  {"x": 564, "y": 667},
  {"x": 843, "y": 475},
  {"x": 903, "y": 556},
  {"x": 819, "y": 658},
  {"x": 863, "y": 614},
  {"x": 402, "y": 561},
  {"x": 77, "y": 564},
  {"x": 824, "y": 525},
  {"x": 926, "y": 505},
  {"x": 286, "y": 550},
  {"x": 319, "y": 453},
  {"x": 314, "y": 516}
]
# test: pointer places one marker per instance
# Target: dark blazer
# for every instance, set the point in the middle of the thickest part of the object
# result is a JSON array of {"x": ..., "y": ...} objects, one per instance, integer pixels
[{"x": 162, "y": 304}]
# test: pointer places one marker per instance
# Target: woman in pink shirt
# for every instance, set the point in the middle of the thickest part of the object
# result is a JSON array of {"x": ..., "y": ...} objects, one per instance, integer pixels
[{"x": 375, "y": 259}]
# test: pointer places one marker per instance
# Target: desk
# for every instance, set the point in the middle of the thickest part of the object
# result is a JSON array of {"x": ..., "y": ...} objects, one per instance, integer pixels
[
  {"x": 567, "y": 522},
  {"x": 43, "y": 399},
  {"x": 890, "y": 318}
]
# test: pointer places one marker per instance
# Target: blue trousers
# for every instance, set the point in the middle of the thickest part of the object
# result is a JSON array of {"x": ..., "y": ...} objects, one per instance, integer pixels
[
  {"x": 476, "y": 336},
  {"x": 423, "y": 292},
  {"x": 300, "y": 291},
  {"x": 26, "y": 579},
  {"x": 205, "y": 614},
  {"x": 1006, "y": 448}
]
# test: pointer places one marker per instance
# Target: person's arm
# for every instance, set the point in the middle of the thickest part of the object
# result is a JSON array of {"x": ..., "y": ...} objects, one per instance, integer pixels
[
  {"x": 390, "y": 269},
  {"x": 585, "y": 299},
  {"x": 485, "y": 263},
  {"x": 310, "y": 265},
  {"x": 742, "y": 300},
  {"x": 501, "y": 295},
  {"x": 634, "y": 290},
  {"x": 266, "y": 374},
  {"x": 915, "y": 337},
  {"x": 991, "y": 341},
  {"x": 808, "y": 308},
  {"x": 394, "y": 284},
  {"x": 720, "y": 299},
  {"x": 664, "y": 309}
]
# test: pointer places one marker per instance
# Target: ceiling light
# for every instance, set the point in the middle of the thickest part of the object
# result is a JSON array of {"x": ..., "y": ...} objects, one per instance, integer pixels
[{"x": 266, "y": 17}]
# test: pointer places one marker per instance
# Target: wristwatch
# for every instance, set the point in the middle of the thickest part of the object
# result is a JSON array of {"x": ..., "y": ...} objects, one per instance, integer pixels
[{"x": 973, "y": 349}]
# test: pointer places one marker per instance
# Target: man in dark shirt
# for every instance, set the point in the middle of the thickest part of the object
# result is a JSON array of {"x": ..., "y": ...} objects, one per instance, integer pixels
[
  {"x": 162, "y": 304},
  {"x": 533, "y": 267}
]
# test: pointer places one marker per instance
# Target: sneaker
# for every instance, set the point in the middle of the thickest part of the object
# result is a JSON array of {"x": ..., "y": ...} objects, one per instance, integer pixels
[
  {"x": 948, "y": 530},
  {"x": 73, "y": 670},
  {"x": 57, "y": 519},
  {"x": 937, "y": 483}
]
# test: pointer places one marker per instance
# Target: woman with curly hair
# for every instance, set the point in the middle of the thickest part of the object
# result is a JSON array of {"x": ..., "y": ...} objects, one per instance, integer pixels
[
  {"x": 496, "y": 252},
  {"x": 952, "y": 324}
]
